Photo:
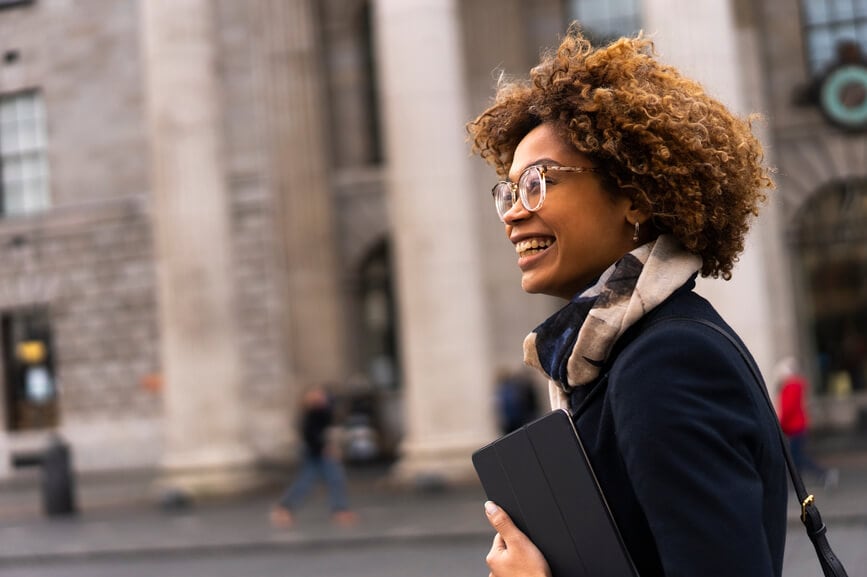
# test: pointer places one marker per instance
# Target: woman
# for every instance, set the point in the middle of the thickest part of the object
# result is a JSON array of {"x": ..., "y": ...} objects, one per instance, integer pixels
[{"x": 623, "y": 182}]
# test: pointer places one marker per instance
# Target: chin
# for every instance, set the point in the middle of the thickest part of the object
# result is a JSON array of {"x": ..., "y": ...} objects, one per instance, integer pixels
[
  {"x": 536, "y": 288},
  {"x": 528, "y": 287}
]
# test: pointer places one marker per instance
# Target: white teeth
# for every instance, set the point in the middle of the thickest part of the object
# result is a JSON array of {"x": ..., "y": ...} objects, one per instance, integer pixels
[{"x": 532, "y": 246}]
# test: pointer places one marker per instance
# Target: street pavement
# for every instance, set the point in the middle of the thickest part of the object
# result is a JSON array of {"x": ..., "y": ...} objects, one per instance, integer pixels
[{"x": 119, "y": 517}]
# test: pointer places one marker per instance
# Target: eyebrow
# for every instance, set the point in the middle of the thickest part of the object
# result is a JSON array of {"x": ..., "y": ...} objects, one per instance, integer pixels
[{"x": 540, "y": 162}]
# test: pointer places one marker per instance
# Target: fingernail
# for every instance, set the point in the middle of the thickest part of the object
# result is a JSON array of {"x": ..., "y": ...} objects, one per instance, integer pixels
[{"x": 491, "y": 508}]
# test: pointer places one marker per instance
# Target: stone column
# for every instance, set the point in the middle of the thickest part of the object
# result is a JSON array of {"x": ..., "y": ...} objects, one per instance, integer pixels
[
  {"x": 715, "y": 44},
  {"x": 204, "y": 448},
  {"x": 290, "y": 72},
  {"x": 444, "y": 336}
]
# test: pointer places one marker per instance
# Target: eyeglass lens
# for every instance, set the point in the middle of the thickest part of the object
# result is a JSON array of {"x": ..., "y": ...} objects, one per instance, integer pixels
[{"x": 530, "y": 187}]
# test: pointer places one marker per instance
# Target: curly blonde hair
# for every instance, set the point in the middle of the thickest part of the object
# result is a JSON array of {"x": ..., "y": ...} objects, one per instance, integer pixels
[{"x": 657, "y": 137}]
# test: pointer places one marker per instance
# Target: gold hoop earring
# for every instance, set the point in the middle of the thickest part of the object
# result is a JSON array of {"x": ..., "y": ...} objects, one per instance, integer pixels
[{"x": 635, "y": 234}]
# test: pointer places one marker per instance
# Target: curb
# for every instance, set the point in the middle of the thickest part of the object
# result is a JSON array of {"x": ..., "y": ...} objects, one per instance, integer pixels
[{"x": 240, "y": 546}]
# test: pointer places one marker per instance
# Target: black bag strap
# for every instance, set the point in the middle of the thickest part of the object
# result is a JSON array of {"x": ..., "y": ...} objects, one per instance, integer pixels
[{"x": 816, "y": 530}]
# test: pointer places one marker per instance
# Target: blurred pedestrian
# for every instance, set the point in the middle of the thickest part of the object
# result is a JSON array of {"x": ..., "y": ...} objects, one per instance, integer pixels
[
  {"x": 795, "y": 421},
  {"x": 516, "y": 400},
  {"x": 320, "y": 461}
]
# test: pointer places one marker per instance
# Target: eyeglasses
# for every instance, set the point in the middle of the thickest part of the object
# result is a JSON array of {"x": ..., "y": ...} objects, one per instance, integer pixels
[{"x": 531, "y": 188}]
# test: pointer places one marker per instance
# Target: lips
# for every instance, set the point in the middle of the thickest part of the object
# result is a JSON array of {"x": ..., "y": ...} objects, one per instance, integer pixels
[{"x": 531, "y": 246}]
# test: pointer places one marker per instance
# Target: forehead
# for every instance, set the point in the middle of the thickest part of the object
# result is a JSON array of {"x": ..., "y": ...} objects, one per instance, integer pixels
[{"x": 544, "y": 145}]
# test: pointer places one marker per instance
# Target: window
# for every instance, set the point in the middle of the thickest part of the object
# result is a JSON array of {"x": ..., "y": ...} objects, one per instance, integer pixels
[
  {"x": 370, "y": 94},
  {"x": 28, "y": 369},
  {"x": 23, "y": 159},
  {"x": 829, "y": 243},
  {"x": 829, "y": 25},
  {"x": 351, "y": 71},
  {"x": 604, "y": 21}
]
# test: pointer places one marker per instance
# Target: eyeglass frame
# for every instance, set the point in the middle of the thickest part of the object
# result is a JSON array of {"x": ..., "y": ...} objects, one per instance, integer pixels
[{"x": 543, "y": 186}]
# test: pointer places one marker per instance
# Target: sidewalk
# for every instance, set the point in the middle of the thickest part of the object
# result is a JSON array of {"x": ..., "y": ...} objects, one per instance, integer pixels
[{"x": 118, "y": 517}]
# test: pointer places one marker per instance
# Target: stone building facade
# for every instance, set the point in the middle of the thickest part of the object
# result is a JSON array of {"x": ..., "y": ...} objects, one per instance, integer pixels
[{"x": 233, "y": 200}]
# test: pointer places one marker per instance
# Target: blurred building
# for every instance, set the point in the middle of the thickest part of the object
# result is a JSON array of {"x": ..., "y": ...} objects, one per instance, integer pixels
[{"x": 207, "y": 205}]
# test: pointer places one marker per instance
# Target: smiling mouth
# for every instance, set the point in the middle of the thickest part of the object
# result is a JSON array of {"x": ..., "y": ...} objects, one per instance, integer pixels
[{"x": 532, "y": 246}]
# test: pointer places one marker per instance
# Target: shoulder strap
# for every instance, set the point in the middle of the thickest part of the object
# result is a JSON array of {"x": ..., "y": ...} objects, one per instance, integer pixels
[{"x": 816, "y": 530}]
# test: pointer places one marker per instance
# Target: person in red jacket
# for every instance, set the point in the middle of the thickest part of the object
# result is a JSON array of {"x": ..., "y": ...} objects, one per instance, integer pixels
[{"x": 795, "y": 422}]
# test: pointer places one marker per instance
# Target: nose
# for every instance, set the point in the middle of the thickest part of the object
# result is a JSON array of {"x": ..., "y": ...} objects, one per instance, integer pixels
[{"x": 516, "y": 213}]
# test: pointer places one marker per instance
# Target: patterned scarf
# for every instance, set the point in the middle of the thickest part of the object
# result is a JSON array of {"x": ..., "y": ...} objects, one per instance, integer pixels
[{"x": 571, "y": 346}]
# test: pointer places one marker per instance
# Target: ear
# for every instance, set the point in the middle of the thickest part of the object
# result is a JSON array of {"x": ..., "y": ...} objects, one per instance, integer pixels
[
  {"x": 635, "y": 205},
  {"x": 636, "y": 215},
  {"x": 637, "y": 212}
]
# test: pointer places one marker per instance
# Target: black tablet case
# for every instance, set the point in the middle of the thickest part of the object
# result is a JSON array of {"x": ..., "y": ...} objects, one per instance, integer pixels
[{"x": 540, "y": 475}]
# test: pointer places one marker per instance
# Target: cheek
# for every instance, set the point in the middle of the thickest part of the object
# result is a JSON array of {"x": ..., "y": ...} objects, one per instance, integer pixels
[
  {"x": 575, "y": 235},
  {"x": 583, "y": 244}
]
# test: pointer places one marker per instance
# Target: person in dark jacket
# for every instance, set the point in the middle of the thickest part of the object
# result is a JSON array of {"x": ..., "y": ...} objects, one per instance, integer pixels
[
  {"x": 319, "y": 461},
  {"x": 622, "y": 182},
  {"x": 516, "y": 400}
]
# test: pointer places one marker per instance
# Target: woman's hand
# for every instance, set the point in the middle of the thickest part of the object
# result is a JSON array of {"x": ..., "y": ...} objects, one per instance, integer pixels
[{"x": 512, "y": 554}]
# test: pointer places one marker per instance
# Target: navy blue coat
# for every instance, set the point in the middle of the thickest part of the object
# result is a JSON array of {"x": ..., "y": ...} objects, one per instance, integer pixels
[{"x": 686, "y": 448}]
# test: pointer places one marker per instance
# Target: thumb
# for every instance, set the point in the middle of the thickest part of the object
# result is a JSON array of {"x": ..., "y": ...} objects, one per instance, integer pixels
[{"x": 501, "y": 522}]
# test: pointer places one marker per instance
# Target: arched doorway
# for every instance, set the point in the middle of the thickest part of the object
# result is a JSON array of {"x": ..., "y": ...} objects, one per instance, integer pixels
[
  {"x": 829, "y": 245},
  {"x": 375, "y": 399},
  {"x": 378, "y": 320}
]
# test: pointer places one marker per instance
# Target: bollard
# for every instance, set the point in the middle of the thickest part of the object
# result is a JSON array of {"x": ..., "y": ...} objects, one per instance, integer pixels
[{"x": 58, "y": 483}]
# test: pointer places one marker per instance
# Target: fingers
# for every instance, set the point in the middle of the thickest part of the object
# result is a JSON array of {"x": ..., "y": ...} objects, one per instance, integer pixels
[
  {"x": 496, "y": 518},
  {"x": 498, "y": 545},
  {"x": 501, "y": 522},
  {"x": 512, "y": 553},
  {"x": 498, "y": 550}
]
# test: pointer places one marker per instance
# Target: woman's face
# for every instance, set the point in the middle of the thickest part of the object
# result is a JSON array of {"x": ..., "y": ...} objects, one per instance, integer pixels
[{"x": 580, "y": 229}]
